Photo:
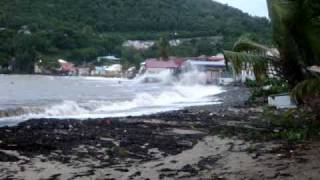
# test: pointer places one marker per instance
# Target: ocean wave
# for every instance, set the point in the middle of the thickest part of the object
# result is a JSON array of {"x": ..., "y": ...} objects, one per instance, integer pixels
[
  {"x": 143, "y": 103},
  {"x": 169, "y": 93}
]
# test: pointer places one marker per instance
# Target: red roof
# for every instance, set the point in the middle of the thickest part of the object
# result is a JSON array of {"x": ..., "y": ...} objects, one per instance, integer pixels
[
  {"x": 179, "y": 61},
  {"x": 171, "y": 63}
]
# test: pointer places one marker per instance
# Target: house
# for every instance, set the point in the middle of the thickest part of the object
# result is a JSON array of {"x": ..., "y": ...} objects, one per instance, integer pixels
[
  {"x": 153, "y": 70},
  {"x": 66, "y": 67},
  {"x": 143, "y": 45},
  {"x": 139, "y": 45},
  {"x": 153, "y": 66},
  {"x": 214, "y": 67}
]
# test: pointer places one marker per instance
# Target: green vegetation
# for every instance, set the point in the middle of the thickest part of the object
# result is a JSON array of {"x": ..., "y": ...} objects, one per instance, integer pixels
[
  {"x": 247, "y": 53},
  {"x": 309, "y": 87},
  {"x": 198, "y": 46},
  {"x": 131, "y": 57},
  {"x": 80, "y": 30},
  {"x": 296, "y": 31},
  {"x": 261, "y": 91},
  {"x": 163, "y": 46},
  {"x": 293, "y": 124}
]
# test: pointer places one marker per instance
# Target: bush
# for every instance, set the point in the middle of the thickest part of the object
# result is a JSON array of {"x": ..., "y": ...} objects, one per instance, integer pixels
[
  {"x": 292, "y": 125},
  {"x": 266, "y": 88}
]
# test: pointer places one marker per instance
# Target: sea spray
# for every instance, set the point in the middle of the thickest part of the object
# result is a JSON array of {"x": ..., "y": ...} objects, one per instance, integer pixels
[
  {"x": 188, "y": 78},
  {"x": 192, "y": 78},
  {"x": 164, "y": 77},
  {"x": 114, "y": 99}
]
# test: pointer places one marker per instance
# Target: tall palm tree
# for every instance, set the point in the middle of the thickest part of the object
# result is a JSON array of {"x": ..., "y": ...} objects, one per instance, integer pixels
[{"x": 296, "y": 33}]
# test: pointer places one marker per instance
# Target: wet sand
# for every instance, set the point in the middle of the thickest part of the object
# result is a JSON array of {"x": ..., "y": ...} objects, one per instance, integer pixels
[{"x": 213, "y": 142}]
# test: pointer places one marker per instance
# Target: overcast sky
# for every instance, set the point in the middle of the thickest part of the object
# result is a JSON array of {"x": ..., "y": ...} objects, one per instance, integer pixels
[{"x": 253, "y": 7}]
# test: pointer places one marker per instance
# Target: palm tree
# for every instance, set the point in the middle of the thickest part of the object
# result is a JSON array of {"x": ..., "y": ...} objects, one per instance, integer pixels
[
  {"x": 247, "y": 53},
  {"x": 296, "y": 33},
  {"x": 163, "y": 46}
]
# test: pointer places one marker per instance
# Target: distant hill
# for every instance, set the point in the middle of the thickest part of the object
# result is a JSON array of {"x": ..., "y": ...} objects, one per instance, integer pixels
[
  {"x": 97, "y": 26},
  {"x": 130, "y": 16}
]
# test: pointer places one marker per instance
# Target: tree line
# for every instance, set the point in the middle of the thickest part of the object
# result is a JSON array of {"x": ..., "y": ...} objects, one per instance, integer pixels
[{"x": 81, "y": 30}]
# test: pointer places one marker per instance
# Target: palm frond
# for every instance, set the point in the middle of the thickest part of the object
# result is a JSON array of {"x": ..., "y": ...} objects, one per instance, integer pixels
[
  {"x": 296, "y": 30},
  {"x": 241, "y": 59},
  {"x": 282, "y": 11},
  {"x": 311, "y": 28},
  {"x": 306, "y": 88},
  {"x": 246, "y": 45}
]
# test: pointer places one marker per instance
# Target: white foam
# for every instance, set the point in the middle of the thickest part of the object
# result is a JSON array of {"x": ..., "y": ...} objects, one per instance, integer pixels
[
  {"x": 190, "y": 91},
  {"x": 143, "y": 104},
  {"x": 64, "y": 109},
  {"x": 164, "y": 77}
]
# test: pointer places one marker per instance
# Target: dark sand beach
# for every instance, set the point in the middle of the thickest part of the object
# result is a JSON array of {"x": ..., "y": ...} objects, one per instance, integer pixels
[{"x": 226, "y": 141}]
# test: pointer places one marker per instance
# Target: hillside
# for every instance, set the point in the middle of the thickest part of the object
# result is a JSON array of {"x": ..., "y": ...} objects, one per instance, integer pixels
[{"x": 82, "y": 29}]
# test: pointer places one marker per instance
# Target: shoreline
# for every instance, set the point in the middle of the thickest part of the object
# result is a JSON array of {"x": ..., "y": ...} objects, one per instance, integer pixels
[
  {"x": 223, "y": 141},
  {"x": 228, "y": 97}
]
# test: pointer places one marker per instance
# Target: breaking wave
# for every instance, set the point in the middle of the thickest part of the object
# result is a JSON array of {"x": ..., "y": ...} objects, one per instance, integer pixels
[
  {"x": 188, "y": 91},
  {"x": 190, "y": 78},
  {"x": 164, "y": 77},
  {"x": 142, "y": 104}
]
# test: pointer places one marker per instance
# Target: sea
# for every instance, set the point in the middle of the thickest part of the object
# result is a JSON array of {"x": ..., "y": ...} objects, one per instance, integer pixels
[{"x": 24, "y": 97}]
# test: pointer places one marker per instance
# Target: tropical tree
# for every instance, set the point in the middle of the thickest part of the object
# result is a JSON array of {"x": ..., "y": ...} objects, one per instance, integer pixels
[
  {"x": 163, "y": 46},
  {"x": 296, "y": 33},
  {"x": 130, "y": 57},
  {"x": 249, "y": 54}
]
